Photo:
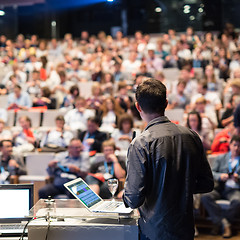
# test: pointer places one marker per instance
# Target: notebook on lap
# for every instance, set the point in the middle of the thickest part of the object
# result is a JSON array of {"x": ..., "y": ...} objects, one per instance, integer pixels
[
  {"x": 93, "y": 202},
  {"x": 15, "y": 202}
]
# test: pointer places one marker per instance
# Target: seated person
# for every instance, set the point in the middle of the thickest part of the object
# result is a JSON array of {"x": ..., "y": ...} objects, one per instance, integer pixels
[
  {"x": 58, "y": 138},
  {"x": 4, "y": 133},
  {"x": 69, "y": 99},
  {"x": 111, "y": 167},
  {"x": 220, "y": 142},
  {"x": 66, "y": 167},
  {"x": 226, "y": 172},
  {"x": 45, "y": 99},
  {"x": 123, "y": 134},
  {"x": 92, "y": 138},
  {"x": 34, "y": 84},
  {"x": 228, "y": 114},
  {"x": 95, "y": 101},
  {"x": 76, "y": 119},
  {"x": 122, "y": 97},
  {"x": 3, "y": 114},
  {"x": 178, "y": 99},
  {"x": 24, "y": 140},
  {"x": 110, "y": 113},
  {"x": 194, "y": 122},
  {"x": 19, "y": 99},
  {"x": 9, "y": 164}
]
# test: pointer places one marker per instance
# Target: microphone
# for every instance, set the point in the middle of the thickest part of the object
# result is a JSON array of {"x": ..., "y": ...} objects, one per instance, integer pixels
[{"x": 134, "y": 135}]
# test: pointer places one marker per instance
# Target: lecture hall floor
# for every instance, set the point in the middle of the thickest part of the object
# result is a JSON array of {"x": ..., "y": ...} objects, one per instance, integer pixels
[{"x": 204, "y": 235}]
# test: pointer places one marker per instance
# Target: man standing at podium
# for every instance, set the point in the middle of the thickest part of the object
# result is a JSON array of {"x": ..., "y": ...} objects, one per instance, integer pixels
[{"x": 166, "y": 166}]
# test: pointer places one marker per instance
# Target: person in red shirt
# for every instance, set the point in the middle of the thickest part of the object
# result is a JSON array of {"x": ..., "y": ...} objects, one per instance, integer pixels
[
  {"x": 220, "y": 143},
  {"x": 24, "y": 140}
]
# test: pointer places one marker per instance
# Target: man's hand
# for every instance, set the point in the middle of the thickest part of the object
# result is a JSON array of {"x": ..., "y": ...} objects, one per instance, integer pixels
[
  {"x": 125, "y": 137},
  {"x": 112, "y": 158},
  {"x": 13, "y": 163},
  {"x": 224, "y": 177},
  {"x": 77, "y": 170},
  {"x": 73, "y": 168},
  {"x": 53, "y": 164},
  {"x": 90, "y": 141},
  {"x": 235, "y": 177}
]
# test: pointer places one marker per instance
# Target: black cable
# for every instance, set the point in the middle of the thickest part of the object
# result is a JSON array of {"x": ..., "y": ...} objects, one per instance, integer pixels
[
  {"x": 46, "y": 237},
  {"x": 24, "y": 230},
  {"x": 25, "y": 227}
]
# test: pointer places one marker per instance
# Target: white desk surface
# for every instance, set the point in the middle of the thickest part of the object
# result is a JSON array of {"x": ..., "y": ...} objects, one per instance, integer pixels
[{"x": 76, "y": 228}]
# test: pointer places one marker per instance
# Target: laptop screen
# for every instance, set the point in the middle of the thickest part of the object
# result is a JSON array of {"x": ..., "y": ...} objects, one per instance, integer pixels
[
  {"x": 15, "y": 202},
  {"x": 82, "y": 191}
]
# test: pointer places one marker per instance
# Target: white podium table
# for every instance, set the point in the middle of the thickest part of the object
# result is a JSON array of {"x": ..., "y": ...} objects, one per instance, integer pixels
[{"x": 79, "y": 224}]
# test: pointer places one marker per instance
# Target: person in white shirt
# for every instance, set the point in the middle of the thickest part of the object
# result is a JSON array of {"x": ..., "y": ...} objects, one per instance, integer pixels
[
  {"x": 124, "y": 133},
  {"x": 4, "y": 133},
  {"x": 132, "y": 64},
  {"x": 77, "y": 117},
  {"x": 20, "y": 75},
  {"x": 58, "y": 136},
  {"x": 212, "y": 98},
  {"x": 3, "y": 114}
]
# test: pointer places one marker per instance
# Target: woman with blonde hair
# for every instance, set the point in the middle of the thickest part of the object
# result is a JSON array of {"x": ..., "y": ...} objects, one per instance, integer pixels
[
  {"x": 110, "y": 112},
  {"x": 96, "y": 99}
]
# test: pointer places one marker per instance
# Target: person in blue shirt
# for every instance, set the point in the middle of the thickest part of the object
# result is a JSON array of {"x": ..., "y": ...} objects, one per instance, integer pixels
[
  {"x": 19, "y": 99},
  {"x": 226, "y": 173},
  {"x": 65, "y": 167}
]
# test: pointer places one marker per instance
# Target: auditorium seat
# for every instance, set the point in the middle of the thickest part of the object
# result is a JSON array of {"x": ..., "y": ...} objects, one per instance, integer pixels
[
  {"x": 34, "y": 116},
  {"x": 171, "y": 74},
  {"x": 3, "y": 101},
  {"x": 85, "y": 89},
  {"x": 36, "y": 164},
  {"x": 50, "y": 115},
  {"x": 175, "y": 115},
  {"x": 11, "y": 121}
]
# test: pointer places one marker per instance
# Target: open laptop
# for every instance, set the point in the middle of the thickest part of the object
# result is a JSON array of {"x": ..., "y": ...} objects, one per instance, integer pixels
[
  {"x": 15, "y": 202},
  {"x": 93, "y": 202}
]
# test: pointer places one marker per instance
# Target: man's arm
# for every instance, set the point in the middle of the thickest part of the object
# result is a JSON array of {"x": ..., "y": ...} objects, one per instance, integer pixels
[
  {"x": 19, "y": 164},
  {"x": 134, "y": 191},
  {"x": 204, "y": 177}
]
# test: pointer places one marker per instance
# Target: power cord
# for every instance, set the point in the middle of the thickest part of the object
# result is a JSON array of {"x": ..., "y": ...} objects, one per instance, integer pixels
[{"x": 48, "y": 227}]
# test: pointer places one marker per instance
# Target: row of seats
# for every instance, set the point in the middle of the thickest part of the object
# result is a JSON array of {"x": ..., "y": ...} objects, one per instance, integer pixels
[
  {"x": 47, "y": 118},
  {"x": 38, "y": 118}
]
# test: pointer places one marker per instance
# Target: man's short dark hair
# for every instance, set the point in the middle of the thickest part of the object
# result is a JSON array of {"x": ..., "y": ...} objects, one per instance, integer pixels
[
  {"x": 151, "y": 96},
  {"x": 95, "y": 120},
  {"x": 235, "y": 138},
  {"x": 3, "y": 141}
]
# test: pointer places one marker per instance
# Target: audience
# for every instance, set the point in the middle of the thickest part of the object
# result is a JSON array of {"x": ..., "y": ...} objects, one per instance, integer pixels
[
  {"x": 24, "y": 140},
  {"x": 226, "y": 172},
  {"x": 66, "y": 167},
  {"x": 56, "y": 139},
  {"x": 9, "y": 164},
  {"x": 4, "y": 133},
  {"x": 124, "y": 133},
  {"x": 19, "y": 99},
  {"x": 194, "y": 122},
  {"x": 92, "y": 138},
  {"x": 111, "y": 167},
  {"x": 116, "y": 66},
  {"x": 110, "y": 112},
  {"x": 76, "y": 119}
]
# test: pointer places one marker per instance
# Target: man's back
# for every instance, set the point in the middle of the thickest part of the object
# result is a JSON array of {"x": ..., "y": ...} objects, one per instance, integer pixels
[{"x": 166, "y": 165}]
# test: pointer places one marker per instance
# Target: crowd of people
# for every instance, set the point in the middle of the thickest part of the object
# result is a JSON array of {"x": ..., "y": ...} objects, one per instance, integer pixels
[{"x": 48, "y": 73}]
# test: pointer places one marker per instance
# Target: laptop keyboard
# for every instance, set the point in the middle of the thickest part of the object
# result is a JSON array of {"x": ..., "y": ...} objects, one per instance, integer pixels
[
  {"x": 110, "y": 206},
  {"x": 11, "y": 227}
]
